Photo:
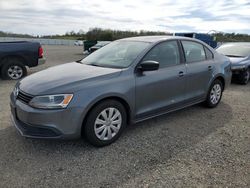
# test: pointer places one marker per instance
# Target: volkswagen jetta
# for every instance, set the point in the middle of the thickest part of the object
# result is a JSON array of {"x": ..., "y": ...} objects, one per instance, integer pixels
[{"x": 125, "y": 82}]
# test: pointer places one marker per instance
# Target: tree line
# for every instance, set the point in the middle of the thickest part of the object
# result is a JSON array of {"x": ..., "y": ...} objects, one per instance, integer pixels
[
  {"x": 110, "y": 35},
  {"x": 232, "y": 37},
  {"x": 9, "y": 34},
  {"x": 105, "y": 34}
]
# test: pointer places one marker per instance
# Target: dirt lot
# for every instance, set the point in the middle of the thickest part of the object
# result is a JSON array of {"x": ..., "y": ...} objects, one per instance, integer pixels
[{"x": 194, "y": 147}]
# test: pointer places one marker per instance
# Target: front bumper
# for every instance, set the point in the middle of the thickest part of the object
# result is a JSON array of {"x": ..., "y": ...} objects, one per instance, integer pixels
[
  {"x": 239, "y": 68},
  {"x": 41, "y": 61},
  {"x": 48, "y": 124},
  {"x": 34, "y": 131}
]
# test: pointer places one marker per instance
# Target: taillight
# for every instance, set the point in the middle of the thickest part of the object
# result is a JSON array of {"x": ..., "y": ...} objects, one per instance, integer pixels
[{"x": 40, "y": 52}]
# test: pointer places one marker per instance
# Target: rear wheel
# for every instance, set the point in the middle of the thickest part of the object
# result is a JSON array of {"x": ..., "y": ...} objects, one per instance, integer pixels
[
  {"x": 214, "y": 94},
  {"x": 244, "y": 77},
  {"x": 13, "y": 69},
  {"x": 105, "y": 123}
]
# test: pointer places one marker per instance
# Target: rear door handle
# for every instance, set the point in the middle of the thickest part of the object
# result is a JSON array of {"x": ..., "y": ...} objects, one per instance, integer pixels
[
  {"x": 210, "y": 67},
  {"x": 181, "y": 74}
]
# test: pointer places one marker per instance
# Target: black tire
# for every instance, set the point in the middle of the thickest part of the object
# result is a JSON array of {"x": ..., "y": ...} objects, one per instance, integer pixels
[
  {"x": 89, "y": 126},
  {"x": 209, "y": 102},
  {"x": 244, "y": 77},
  {"x": 11, "y": 62}
]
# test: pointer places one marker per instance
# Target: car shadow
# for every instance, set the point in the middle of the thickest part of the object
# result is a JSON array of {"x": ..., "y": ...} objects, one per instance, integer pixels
[{"x": 143, "y": 145}]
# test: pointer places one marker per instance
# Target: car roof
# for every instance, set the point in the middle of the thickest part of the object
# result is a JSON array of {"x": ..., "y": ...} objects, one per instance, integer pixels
[{"x": 154, "y": 39}]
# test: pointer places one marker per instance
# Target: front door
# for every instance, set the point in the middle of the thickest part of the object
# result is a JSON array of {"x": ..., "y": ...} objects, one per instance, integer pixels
[{"x": 159, "y": 90}]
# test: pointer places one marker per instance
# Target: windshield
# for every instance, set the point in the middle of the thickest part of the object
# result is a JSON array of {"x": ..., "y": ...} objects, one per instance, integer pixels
[
  {"x": 118, "y": 54},
  {"x": 233, "y": 50}
]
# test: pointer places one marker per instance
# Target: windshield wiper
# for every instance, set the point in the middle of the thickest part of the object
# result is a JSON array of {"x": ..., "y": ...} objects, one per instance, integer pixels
[
  {"x": 103, "y": 65},
  {"x": 234, "y": 56},
  {"x": 93, "y": 64},
  {"x": 79, "y": 61}
]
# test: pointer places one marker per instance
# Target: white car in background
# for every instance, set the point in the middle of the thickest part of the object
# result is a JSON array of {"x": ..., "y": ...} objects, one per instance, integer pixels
[{"x": 78, "y": 43}]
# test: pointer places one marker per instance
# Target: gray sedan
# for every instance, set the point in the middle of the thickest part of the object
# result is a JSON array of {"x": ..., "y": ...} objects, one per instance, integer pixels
[
  {"x": 239, "y": 54},
  {"x": 125, "y": 82}
]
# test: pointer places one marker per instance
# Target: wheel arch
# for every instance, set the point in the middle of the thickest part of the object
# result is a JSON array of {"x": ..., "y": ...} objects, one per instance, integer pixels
[
  {"x": 117, "y": 98},
  {"x": 21, "y": 58},
  {"x": 218, "y": 77},
  {"x": 222, "y": 79}
]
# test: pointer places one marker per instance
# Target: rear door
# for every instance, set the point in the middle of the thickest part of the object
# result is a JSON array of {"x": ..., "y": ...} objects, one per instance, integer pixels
[
  {"x": 158, "y": 90},
  {"x": 199, "y": 69}
]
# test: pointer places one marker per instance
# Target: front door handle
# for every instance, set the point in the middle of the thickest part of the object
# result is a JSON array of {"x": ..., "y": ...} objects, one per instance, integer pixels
[
  {"x": 210, "y": 67},
  {"x": 181, "y": 74}
]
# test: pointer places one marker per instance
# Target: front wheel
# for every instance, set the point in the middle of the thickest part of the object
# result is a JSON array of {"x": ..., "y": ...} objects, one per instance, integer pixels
[
  {"x": 105, "y": 123},
  {"x": 214, "y": 94},
  {"x": 244, "y": 77}
]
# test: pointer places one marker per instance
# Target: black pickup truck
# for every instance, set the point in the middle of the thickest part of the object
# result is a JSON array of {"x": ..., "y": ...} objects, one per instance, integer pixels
[{"x": 16, "y": 56}]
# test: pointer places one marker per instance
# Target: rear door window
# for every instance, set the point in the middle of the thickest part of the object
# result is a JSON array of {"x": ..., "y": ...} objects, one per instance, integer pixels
[{"x": 194, "y": 52}]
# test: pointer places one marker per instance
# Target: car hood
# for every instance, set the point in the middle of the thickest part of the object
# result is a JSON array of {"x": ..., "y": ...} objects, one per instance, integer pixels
[
  {"x": 65, "y": 78},
  {"x": 238, "y": 60}
]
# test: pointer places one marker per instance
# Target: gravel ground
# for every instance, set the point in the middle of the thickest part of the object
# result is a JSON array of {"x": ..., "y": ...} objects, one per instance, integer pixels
[{"x": 194, "y": 147}]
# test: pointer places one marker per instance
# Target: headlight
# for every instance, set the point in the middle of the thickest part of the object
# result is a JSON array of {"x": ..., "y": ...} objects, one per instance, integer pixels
[
  {"x": 15, "y": 91},
  {"x": 238, "y": 67},
  {"x": 51, "y": 101}
]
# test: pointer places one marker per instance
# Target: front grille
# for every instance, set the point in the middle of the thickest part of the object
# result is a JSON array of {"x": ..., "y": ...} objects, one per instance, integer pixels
[{"x": 23, "y": 97}]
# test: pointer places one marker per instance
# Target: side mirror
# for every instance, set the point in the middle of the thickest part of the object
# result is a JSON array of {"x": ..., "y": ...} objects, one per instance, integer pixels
[{"x": 149, "y": 66}]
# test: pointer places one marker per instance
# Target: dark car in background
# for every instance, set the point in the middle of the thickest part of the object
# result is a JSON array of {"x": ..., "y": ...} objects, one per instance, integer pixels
[
  {"x": 239, "y": 54},
  {"x": 99, "y": 45},
  {"x": 127, "y": 81},
  {"x": 16, "y": 56}
]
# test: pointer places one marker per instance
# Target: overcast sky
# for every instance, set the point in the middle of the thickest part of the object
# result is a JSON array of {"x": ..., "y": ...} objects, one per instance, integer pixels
[{"x": 42, "y": 17}]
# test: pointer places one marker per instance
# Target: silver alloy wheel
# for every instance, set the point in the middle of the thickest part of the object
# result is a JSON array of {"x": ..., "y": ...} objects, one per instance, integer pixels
[
  {"x": 108, "y": 123},
  {"x": 215, "y": 94},
  {"x": 15, "y": 72}
]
